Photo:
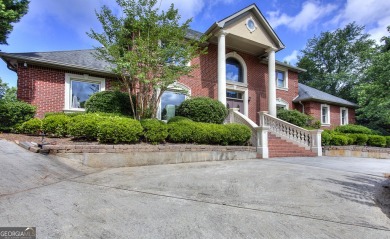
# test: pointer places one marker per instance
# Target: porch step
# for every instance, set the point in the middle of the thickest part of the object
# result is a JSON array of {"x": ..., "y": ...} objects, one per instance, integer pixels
[{"x": 279, "y": 147}]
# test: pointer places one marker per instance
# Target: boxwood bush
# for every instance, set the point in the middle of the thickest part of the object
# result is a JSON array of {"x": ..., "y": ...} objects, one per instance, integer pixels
[
  {"x": 203, "y": 109},
  {"x": 359, "y": 139},
  {"x": 56, "y": 125},
  {"x": 353, "y": 129},
  {"x": 239, "y": 134},
  {"x": 339, "y": 140},
  {"x": 387, "y": 141},
  {"x": 155, "y": 131},
  {"x": 326, "y": 137},
  {"x": 14, "y": 113},
  {"x": 109, "y": 102},
  {"x": 32, "y": 127},
  {"x": 85, "y": 126},
  {"x": 177, "y": 119},
  {"x": 297, "y": 118},
  {"x": 376, "y": 140},
  {"x": 119, "y": 130}
]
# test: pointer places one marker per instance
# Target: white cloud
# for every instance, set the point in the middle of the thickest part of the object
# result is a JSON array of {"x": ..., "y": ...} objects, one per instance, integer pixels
[
  {"x": 310, "y": 12},
  {"x": 371, "y": 13},
  {"x": 292, "y": 58}
]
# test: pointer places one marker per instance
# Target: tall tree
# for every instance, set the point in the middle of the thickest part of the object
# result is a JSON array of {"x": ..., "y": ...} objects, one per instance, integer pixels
[
  {"x": 386, "y": 41},
  {"x": 147, "y": 48},
  {"x": 335, "y": 61},
  {"x": 3, "y": 88},
  {"x": 11, "y": 11},
  {"x": 373, "y": 95}
]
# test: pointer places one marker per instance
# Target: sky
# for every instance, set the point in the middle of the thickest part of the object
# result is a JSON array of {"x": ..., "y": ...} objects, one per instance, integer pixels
[{"x": 55, "y": 25}]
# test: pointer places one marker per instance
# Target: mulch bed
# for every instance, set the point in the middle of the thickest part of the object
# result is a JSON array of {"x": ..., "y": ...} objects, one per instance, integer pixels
[{"x": 38, "y": 139}]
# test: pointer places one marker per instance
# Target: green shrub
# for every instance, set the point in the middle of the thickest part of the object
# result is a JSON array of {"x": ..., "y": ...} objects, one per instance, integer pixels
[
  {"x": 177, "y": 119},
  {"x": 339, "y": 140},
  {"x": 294, "y": 117},
  {"x": 32, "y": 126},
  {"x": 119, "y": 130},
  {"x": 155, "y": 131},
  {"x": 387, "y": 141},
  {"x": 203, "y": 109},
  {"x": 181, "y": 132},
  {"x": 109, "y": 102},
  {"x": 56, "y": 125},
  {"x": 353, "y": 129},
  {"x": 72, "y": 114},
  {"x": 84, "y": 126},
  {"x": 239, "y": 134},
  {"x": 14, "y": 113},
  {"x": 213, "y": 134},
  {"x": 326, "y": 138},
  {"x": 359, "y": 139},
  {"x": 316, "y": 124},
  {"x": 376, "y": 140}
]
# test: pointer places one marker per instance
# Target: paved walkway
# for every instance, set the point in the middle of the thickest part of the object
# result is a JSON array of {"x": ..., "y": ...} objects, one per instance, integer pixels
[{"x": 279, "y": 198}]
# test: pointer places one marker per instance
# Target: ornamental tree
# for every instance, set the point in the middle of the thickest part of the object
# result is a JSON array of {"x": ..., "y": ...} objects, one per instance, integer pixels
[
  {"x": 11, "y": 11},
  {"x": 148, "y": 50}
]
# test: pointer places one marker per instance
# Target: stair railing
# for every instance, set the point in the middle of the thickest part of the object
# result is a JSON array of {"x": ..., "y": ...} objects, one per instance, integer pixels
[{"x": 310, "y": 139}]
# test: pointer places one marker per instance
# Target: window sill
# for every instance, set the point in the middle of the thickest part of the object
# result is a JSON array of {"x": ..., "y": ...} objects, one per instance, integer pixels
[
  {"x": 325, "y": 125},
  {"x": 73, "y": 110},
  {"x": 282, "y": 88},
  {"x": 228, "y": 82}
]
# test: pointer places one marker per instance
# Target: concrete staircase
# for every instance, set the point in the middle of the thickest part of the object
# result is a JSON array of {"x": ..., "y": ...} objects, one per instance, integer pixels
[{"x": 281, "y": 148}]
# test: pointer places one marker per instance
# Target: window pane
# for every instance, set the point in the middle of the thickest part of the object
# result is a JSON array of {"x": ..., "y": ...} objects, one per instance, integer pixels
[
  {"x": 170, "y": 100},
  {"x": 233, "y": 70},
  {"x": 81, "y": 91},
  {"x": 280, "y": 79},
  {"x": 233, "y": 94},
  {"x": 324, "y": 115}
]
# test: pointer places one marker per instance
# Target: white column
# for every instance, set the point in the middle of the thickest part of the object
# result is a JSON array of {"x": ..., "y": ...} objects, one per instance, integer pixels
[
  {"x": 222, "y": 67},
  {"x": 271, "y": 82}
]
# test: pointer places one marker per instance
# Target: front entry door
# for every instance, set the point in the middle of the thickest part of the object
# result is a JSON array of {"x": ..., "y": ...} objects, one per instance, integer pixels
[{"x": 233, "y": 103}]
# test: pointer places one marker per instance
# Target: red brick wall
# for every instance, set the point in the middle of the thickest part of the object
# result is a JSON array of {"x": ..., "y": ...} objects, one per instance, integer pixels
[
  {"x": 44, "y": 88},
  {"x": 314, "y": 109},
  {"x": 292, "y": 91}
]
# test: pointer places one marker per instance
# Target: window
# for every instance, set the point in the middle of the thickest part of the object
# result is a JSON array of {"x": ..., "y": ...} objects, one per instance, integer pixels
[
  {"x": 234, "y": 95},
  {"x": 233, "y": 70},
  {"x": 171, "y": 99},
  {"x": 250, "y": 24},
  {"x": 325, "y": 114},
  {"x": 78, "y": 89},
  {"x": 281, "y": 79},
  {"x": 343, "y": 116},
  {"x": 281, "y": 104}
]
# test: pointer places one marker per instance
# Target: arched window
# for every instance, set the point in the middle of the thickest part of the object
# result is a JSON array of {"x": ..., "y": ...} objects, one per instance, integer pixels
[
  {"x": 171, "y": 99},
  {"x": 234, "y": 70}
]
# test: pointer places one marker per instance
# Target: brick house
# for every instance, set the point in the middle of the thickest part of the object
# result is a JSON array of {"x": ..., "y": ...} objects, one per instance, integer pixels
[{"x": 239, "y": 70}]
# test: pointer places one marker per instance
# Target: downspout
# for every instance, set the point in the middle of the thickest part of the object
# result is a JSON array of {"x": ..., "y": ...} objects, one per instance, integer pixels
[{"x": 303, "y": 107}]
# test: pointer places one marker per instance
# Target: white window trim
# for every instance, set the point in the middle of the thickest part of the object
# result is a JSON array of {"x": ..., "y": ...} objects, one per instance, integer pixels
[
  {"x": 328, "y": 118},
  {"x": 285, "y": 72},
  {"x": 83, "y": 78},
  {"x": 236, "y": 56},
  {"x": 346, "y": 116},
  {"x": 280, "y": 101},
  {"x": 174, "y": 87}
]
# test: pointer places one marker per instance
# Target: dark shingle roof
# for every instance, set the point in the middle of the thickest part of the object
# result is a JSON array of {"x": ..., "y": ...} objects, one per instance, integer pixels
[
  {"x": 82, "y": 59},
  {"x": 307, "y": 93}
]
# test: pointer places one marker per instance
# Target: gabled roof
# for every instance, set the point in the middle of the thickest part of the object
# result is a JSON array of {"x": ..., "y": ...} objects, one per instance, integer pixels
[
  {"x": 77, "y": 59},
  {"x": 256, "y": 11},
  {"x": 307, "y": 93}
]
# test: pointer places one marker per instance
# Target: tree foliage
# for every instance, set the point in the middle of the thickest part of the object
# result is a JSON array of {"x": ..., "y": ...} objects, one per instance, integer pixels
[
  {"x": 335, "y": 61},
  {"x": 7, "y": 93},
  {"x": 373, "y": 95},
  {"x": 11, "y": 11},
  {"x": 147, "y": 48}
]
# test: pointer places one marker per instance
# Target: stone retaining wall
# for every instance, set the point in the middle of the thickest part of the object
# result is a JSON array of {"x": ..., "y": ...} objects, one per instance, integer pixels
[
  {"x": 357, "y": 151},
  {"x": 98, "y": 156}
]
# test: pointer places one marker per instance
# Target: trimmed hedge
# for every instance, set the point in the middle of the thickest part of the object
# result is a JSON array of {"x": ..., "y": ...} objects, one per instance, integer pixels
[
  {"x": 119, "y": 130},
  {"x": 155, "y": 131},
  {"x": 353, "y": 129},
  {"x": 297, "y": 118},
  {"x": 339, "y": 140},
  {"x": 387, "y": 141},
  {"x": 14, "y": 113},
  {"x": 56, "y": 125},
  {"x": 359, "y": 139},
  {"x": 203, "y": 109},
  {"x": 206, "y": 133},
  {"x": 84, "y": 126},
  {"x": 32, "y": 127},
  {"x": 177, "y": 119},
  {"x": 376, "y": 140},
  {"x": 109, "y": 102}
]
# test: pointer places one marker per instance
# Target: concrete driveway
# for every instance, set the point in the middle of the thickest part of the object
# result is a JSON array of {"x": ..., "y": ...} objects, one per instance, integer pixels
[{"x": 279, "y": 198}]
